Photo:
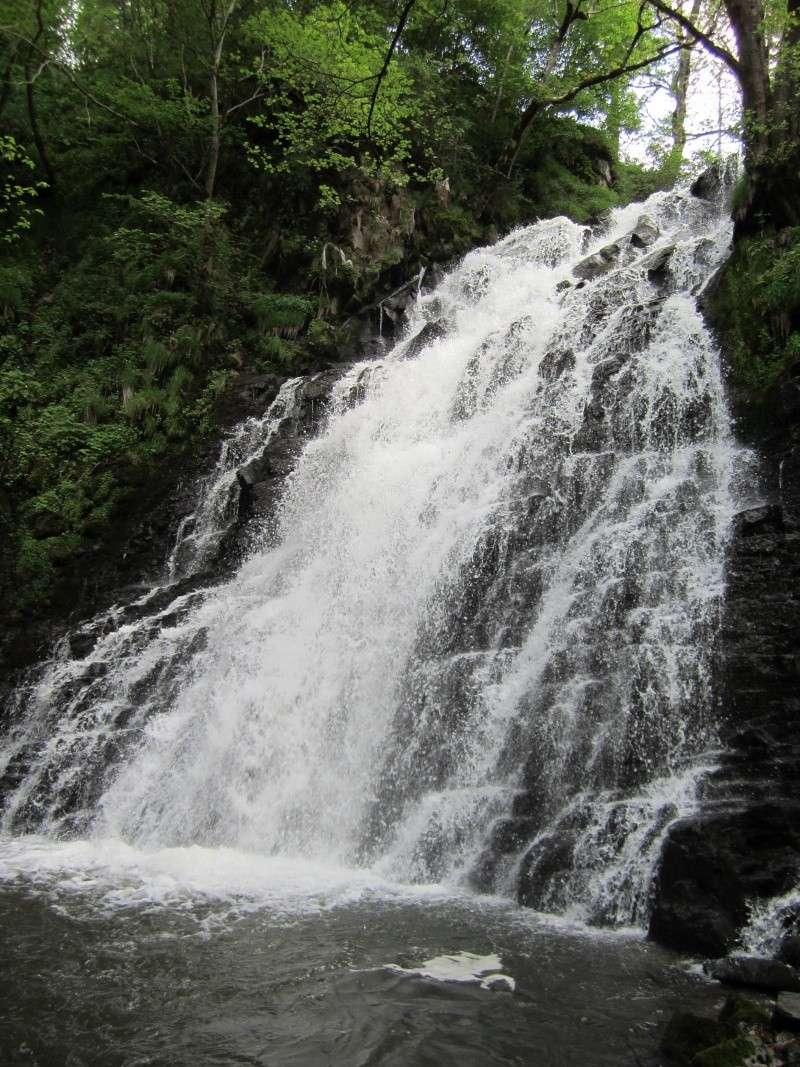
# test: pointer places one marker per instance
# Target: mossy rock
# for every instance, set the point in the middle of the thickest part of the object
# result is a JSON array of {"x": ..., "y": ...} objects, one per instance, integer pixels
[
  {"x": 744, "y": 1012},
  {"x": 687, "y": 1035},
  {"x": 731, "y": 1053},
  {"x": 321, "y": 337}
]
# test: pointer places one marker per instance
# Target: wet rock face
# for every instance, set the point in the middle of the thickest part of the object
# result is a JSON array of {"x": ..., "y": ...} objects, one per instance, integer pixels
[
  {"x": 787, "y": 1011},
  {"x": 744, "y": 844},
  {"x": 261, "y": 479},
  {"x": 599, "y": 263},
  {"x": 130, "y": 554},
  {"x": 714, "y": 182}
]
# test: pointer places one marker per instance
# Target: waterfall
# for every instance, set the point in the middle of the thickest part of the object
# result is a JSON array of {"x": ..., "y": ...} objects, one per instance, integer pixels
[{"x": 476, "y": 644}]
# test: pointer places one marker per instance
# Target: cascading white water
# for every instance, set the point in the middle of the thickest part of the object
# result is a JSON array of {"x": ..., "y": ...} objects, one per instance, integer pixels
[
  {"x": 770, "y": 922},
  {"x": 482, "y": 643},
  {"x": 77, "y": 716}
]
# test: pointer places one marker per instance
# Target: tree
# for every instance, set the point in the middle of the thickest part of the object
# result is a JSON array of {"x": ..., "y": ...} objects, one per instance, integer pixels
[
  {"x": 335, "y": 96},
  {"x": 589, "y": 48},
  {"x": 679, "y": 89},
  {"x": 767, "y": 68},
  {"x": 31, "y": 35}
]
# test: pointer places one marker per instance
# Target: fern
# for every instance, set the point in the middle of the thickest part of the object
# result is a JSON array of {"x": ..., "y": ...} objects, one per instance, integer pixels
[{"x": 280, "y": 313}]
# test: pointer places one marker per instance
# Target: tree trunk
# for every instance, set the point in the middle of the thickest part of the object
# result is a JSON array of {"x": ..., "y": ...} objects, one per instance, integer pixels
[
  {"x": 35, "y": 131},
  {"x": 214, "y": 140},
  {"x": 680, "y": 94},
  {"x": 217, "y": 33},
  {"x": 772, "y": 151},
  {"x": 5, "y": 88},
  {"x": 508, "y": 157},
  {"x": 747, "y": 21},
  {"x": 500, "y": 83}
]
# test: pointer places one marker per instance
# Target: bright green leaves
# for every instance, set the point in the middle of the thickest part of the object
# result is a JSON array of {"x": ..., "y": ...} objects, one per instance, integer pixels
[
  {"x": 122, "y": 320},
  {"x": 319, "y": 78},
  {"x": 18, "y": 190}
]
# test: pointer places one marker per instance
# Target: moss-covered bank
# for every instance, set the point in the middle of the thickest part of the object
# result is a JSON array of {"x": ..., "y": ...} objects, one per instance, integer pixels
[{"x": 754, "y": 307}]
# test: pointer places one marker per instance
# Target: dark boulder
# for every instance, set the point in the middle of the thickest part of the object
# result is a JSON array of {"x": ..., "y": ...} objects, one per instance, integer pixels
[
  {"x": 556, "y": 362},
  {"x": 790, "y": 487},
  {"x": 744, "y": 844},
  {"x": 754, "y": 972},
  {"x": 545, "y": 867},
  {"x": 712, "y": 866},
  {"x": 258, "y": 390},
  {"x": 599, "y": 262},
  {"x": 261, "y": 479},
  {"x": 255, "y": 471},
  {"x": 711, "y": 184},
  {"x": 687, "y": 1034},
  {"x": 606, "y": 369},
  {"x": 789, "y": 951},
  {"x": 658, "y": 264},
  {"x": 429, "y": 333},
  {"x": 619, "y": 252}
]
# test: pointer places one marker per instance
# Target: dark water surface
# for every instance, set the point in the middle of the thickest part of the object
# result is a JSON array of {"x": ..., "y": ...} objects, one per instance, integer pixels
[{"x": 199, "y": 984}]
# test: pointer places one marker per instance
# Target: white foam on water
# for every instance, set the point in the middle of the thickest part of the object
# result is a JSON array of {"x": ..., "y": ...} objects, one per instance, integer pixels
[
  {"x": 462, "y": 967},
  {"x": 769, "y": 922},
  {"x": 117, "y": 875}
]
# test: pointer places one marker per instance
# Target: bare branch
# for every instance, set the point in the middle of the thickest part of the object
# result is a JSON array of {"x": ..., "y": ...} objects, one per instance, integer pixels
[
  {"x": 243, "y": 103},
  {"x": 728, "y": 131},
  {"x": 35, "y": 75},
  {"x": 695, "y": 31},
  {"x": 612, "y": 75},
  {"x": 64, "y": 69},
  {"x": 626, "y": 66}
]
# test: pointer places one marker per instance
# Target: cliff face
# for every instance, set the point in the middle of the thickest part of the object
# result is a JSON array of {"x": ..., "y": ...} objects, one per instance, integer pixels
[{"x": 744, "y": 844}]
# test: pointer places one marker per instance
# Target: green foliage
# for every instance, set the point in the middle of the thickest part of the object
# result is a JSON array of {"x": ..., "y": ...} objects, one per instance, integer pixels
[
  {"x": 562, "y": 192},
  {"x": 18, "y": 190},
  {"x": 124, "y": 360},
  {"x": 450, "y": 230},
  {"x": 16, "y": 285},
  {"x": 756, "y": 307},
  {"x": 634, "y": 182},
  {"x": 740, "y": 194},
  {"x": 202, "y": 410},
  {"x": 280, "y": 312},
  {"x": 319, "y": 84},
  {"x": 127, "y": 312},
  {"x": 565, "y": 169},
  {"x": 322, "y": 337}
]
